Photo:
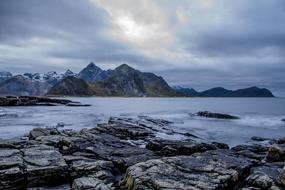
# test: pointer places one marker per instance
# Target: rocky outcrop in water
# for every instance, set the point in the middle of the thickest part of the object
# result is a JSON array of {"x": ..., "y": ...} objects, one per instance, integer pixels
[
  {"x": 127, "y": 154},
  {"x": 36, "y": 101},
  {"x": 208, "y": 114}
]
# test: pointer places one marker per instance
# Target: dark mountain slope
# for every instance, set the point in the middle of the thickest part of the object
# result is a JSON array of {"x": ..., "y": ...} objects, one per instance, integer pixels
[
  {"x": 222, "y": 92},
  {"x": 19, "y": 85},
  {"x": 71, "y": 86}
]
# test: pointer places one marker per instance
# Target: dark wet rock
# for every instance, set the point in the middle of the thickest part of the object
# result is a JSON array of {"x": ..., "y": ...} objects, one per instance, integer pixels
[
  {"x": 125, "y": 131},
  {"x": 122, "y": 154},
  {"x": 11, "y": 172},
  {"x": 254, "y": 151},
  {"x": 215, "y": 115},
  {"x": 281, "y": 178},
  {"x": 76, "y": 104},
  {"x": 172, "y": 147},
  {"x": 276, "y": 153},
  {"x": 155, "y": 121},
  {"x": 220, "y": 169},
  {"x": 36, "y": 101},
  {"x": 65, "y": 144},
  {"x": 44, "y": 166},
  {"x": 262, "y": 139},
  {"x": 266, "y": 176},
  {"x": 16, "y": 143},
  {"x": 100, "y": 169},
  {"x": 283, "y": 120},
  {"x": 220, "y": 145},
  {"x": 189, "y": 135},
  {"x": 281, "y": 140},
  {"x": 38, "y": 132},
  {"x": 99, "y": 145},
  {"x": 88, "y": 183},
  {"x": 59, "y": 187},
  {"x": 260, "y": 180},
  {"x": 145, "y": 125}
]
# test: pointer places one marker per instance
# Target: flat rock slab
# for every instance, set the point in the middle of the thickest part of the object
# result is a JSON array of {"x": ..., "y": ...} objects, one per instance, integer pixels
[
  {"x": 254, "y": 151},
  {"x": 44, "y": 166},
  {"x": 100, "y": 169},
  {"x": 11, "y": 173},
  {"x": 174, "y": 148},
  {"x": 212, "y": 170}
]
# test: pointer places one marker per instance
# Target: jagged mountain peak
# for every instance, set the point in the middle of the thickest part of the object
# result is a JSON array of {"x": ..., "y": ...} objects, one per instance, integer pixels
[
  {"x": 91, "y": 66},
  {"x": 68, "y": 72},
  {"x": 93, "y": 73},
  {"x": 125, "y": 69}
]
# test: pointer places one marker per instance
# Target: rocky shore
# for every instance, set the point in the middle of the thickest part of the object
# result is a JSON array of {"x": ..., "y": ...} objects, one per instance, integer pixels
[{"x": 127, "y": 153}]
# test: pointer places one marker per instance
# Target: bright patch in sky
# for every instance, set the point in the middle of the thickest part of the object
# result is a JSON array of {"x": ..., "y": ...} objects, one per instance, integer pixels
[{"x": 130, "y": 28}]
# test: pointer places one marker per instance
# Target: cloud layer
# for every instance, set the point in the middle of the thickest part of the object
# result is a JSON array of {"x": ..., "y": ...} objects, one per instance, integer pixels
[{"x": 194, "y": 43}]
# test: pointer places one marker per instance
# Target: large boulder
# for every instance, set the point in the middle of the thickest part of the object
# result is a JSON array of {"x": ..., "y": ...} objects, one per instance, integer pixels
[
  {"x": 38, "y": 132},
  {"x": 276, "y": 153},
  {"x": 266, "y": 176},
  {"x": 212, "y": 170}
]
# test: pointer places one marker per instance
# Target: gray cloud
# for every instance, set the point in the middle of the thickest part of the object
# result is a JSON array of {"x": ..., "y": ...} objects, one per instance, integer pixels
[{"x": 195, "y": 43}]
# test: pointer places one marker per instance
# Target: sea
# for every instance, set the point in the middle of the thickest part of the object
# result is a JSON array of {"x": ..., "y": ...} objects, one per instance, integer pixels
[{"x": 260, "y": 117}]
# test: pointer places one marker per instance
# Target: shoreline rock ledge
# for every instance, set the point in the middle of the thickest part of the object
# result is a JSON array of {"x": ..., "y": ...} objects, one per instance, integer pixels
[
  {"x": 36, "y": 101},
  {"x": 127, "y": 154}
]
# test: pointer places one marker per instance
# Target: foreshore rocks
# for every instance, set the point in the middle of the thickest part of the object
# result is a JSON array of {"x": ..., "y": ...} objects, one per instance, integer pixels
[
  {"x": 210, "y": 170},
  {"x": 36, "y": 101},
  {"x": 128, "y": 154}
]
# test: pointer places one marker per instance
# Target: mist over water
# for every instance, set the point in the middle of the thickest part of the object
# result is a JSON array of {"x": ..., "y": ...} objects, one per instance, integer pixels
[{"x": 259, "y": 116}]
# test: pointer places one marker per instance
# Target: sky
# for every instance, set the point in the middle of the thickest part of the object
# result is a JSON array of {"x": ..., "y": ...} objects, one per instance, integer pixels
[{"x": 191, "y": 43}]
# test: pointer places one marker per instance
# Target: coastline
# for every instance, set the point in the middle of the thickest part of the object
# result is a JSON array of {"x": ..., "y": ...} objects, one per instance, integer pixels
[{"x": 125, "y": 153}]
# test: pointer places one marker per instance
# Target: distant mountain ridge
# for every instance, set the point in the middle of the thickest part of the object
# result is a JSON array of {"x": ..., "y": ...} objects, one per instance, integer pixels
[
  {"x": 222, "y": 92},
  {"x": 122, "y": 81}
]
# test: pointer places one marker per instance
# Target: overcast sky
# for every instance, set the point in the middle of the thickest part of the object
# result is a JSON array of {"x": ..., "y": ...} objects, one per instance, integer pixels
[{"x": 192, "y": 43}]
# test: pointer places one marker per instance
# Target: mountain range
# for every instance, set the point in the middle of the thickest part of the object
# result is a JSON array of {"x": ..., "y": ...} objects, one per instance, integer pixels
[
  {"x": 122, "y": 81},
  {"x": 222, "y": 92}
]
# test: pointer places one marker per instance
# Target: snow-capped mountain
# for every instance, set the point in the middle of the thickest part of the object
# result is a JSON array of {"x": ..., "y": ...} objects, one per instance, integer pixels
[
  {"x": 4, "y": 75},
  {"x": 50, "y": 77},
  {"x": 69, "y": 73}
]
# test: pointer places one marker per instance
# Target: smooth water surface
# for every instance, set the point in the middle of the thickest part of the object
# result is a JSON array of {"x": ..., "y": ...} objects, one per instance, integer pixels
[{"x": 259, "y": 116}]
